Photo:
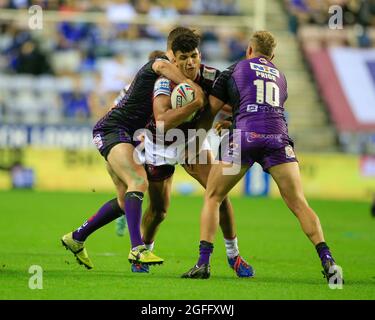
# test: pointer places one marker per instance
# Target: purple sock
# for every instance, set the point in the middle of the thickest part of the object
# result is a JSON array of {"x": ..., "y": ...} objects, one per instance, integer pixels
[
  {"x": 133, "y": 209},
  {"x": 323, "y": 252},
  {"x": 205, "y": 250},
  {"x": 107, "y": 213}
]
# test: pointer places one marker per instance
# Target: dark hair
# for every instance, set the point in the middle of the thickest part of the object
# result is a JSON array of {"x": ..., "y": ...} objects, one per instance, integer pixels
[
  {"x": 175, "y": 33},
  {"x": 156, "y": 54},
  {"x": 185, "y": 43}
]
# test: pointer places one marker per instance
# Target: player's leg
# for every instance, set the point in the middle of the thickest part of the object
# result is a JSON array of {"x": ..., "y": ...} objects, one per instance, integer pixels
[
  {"x": 121, "y": 189},
  {"x": 159, "y": 194},
  {"x": 288, "y": 179},
  {"x": 200, "y": 173},
  {"x": 160, "y": 181},
  {"x": 218, "y": 186},
  {"x": 111, "y": 210},
  {"x": 132, "y": 174}
]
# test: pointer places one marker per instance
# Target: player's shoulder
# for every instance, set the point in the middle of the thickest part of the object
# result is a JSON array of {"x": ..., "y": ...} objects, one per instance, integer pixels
[
  {"x": 148, "y": 66},
  {"x": 209, "y": 73},
  {"x": 230, "y": 69}
]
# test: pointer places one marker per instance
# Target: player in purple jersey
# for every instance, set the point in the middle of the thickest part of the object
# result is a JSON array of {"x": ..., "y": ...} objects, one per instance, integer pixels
[
  {"x": 162, "y": 157},
  {"x": 121, "y": 221},
  {"x": 113, "y": 136},
  {"x": 257, "y": 90}
]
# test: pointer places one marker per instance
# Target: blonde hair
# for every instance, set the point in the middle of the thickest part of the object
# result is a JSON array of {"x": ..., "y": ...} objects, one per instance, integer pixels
[{"x": 263, "y": 42}]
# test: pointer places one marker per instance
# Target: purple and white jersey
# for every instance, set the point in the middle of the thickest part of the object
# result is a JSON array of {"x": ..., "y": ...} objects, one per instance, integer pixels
[{"x": 257, "y": 91}]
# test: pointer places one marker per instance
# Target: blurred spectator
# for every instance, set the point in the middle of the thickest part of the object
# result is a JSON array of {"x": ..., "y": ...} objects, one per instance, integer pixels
[
  {"x": 302, "y": 12},
  {"x": 215, "y": 7},
  {"x": 19, "y": 4},
  {"x": 116, "y": 73},
  {"x": 92, "y": 49},
  {"x": 310, "y": 21},
  {"x": 76, "y": 103},
  {"x": 237, "y": 45},
  {"x": 31, "y": 60},
  {"x": 163, "y": 11}
]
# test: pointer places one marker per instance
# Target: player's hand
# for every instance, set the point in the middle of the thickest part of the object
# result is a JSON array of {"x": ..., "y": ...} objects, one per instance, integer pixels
[
  {"x": 223, "y": 124},
  {"x": 200, "y": 97}
]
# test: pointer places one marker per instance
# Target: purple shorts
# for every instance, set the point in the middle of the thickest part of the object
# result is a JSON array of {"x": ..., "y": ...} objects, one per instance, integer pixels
[
  {"x": 248, "y": 147},
  {"x": 105, "y": 140}
]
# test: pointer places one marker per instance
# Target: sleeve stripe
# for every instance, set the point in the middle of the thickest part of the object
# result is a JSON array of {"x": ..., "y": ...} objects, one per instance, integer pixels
[{"x": 161, "y": 91}]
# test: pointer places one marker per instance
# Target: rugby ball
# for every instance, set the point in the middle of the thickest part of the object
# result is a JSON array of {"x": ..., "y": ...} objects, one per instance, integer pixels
[{"x": 182, "y": 95}]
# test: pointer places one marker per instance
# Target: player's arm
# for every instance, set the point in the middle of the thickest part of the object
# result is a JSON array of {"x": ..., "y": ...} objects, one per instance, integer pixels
[
  {"x": 164, "y": 68},
  {"x": 172, "y": 118},
  {"x": 217, "y": 100},
  {"x": 168, "y": 70}
]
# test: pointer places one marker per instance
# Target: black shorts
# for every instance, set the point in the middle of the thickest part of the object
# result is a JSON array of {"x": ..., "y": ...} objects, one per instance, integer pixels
[
  {"x": 159, "y": 173},
  {"x": 105, "y": 140}
]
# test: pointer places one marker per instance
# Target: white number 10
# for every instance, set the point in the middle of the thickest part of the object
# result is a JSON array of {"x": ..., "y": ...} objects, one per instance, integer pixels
[{"x": 272, "y": 92}]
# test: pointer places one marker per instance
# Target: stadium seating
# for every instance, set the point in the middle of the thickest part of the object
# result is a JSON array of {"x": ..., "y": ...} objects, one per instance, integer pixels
[{"x": 338, "y": 58}]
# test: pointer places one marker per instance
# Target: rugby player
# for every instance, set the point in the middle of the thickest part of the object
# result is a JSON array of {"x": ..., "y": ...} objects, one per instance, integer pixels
[
  {"x": 121, "y": 221},
  {"x": 161, "y": 157},
  {"x": 113, "y": 136},
  {"x": 257, "y": 91}
]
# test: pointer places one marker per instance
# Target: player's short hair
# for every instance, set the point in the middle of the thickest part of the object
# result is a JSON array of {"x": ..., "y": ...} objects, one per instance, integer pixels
[
  {"x": 185, "y": 43},
  {"x": 263, "y": 42},
  {"x": 156, "y": 54},
  {"x": 175, "y": 33}
]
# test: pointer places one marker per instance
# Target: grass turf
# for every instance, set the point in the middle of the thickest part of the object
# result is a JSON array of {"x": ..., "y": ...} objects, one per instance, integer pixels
[{"x": 286, "y": 264}]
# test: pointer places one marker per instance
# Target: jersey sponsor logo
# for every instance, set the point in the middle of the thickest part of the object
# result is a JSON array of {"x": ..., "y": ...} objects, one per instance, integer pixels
[
  {"x": 289, "y": 152},
  {"x": 252, "y": 108},
  {"x": 262, "y": 60},
  {"x": 265, "y": 69},
  {"x": 209, "y": 74}
]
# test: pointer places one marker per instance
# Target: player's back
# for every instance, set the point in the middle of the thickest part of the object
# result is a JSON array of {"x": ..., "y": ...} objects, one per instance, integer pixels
[
  {"x": 134, "y": 109},
  {"x": 258, "y": 91}
]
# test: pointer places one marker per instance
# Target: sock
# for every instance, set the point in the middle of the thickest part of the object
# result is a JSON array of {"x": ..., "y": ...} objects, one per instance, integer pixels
[
  {"x": 149, "y": 246},
  {"x": 231, "y": 246},
  {"x": 133, "y": 209},
  {"x": 205, "y": 250},
  {"x": 107, "y": 213},
  {"x": 323, "y": 252}
]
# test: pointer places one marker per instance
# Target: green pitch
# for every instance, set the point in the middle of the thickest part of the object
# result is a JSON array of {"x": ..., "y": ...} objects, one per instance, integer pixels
[{"x": 286, "y": 264}]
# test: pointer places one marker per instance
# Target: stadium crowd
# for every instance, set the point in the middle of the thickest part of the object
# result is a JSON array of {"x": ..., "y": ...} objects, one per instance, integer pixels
[
  {"x": 309, "y": 19},
  {"x": 72, "y": 71}
]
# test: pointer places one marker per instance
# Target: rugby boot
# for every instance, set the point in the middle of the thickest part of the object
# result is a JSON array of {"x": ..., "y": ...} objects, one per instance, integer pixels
[
  {"x": 241, "y": 267},
  {"x": 332, "y": 270},
  {"x": 202, "y": 272},
  {"x": 142, "y": 255},
  {"x": 139, "y": 267},
  {"x": 78, "y": 249}
]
